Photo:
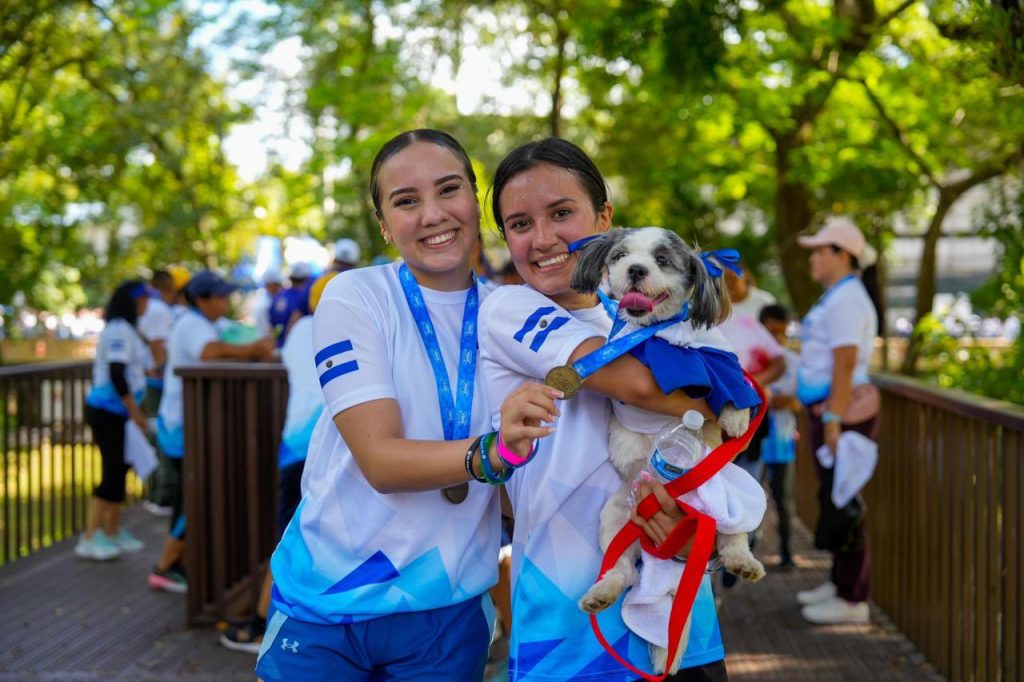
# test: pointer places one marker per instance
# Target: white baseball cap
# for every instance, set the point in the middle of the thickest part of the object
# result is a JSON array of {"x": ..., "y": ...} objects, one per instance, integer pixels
[
  {"x": 273, "y": 276},
  {"x": 301, "y": 270},
  {"x": 347, "y": 251},
  {"x": 841, "y": 232}
]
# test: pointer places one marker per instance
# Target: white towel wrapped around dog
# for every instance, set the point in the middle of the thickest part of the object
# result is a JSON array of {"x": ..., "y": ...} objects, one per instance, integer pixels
[
  {"x": 737, "y": 503},
  {"x": 732, "y": 498}
]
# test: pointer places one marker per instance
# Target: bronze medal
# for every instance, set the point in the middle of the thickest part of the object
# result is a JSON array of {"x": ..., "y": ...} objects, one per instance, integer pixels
[
  {"x": 456, "y": 494},
  {"x": 565, "y": 379}
]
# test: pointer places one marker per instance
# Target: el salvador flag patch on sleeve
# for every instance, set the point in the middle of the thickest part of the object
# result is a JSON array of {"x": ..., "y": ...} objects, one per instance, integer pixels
[
  {"x": 334, "y": 361},
  {"x": 538, "y": 326}
]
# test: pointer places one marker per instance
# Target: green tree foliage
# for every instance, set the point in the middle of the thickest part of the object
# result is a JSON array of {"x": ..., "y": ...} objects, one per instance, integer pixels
[
  {"x": 110, "y": 131},
  {"x": 733, "y": 123}
]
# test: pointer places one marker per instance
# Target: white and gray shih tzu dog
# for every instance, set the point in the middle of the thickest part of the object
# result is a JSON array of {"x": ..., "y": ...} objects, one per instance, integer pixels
[{"x": 653, "y": 273}]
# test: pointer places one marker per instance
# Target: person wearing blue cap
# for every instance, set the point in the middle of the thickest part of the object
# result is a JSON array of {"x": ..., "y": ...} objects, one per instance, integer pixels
[{"x": 195, "y": 338}]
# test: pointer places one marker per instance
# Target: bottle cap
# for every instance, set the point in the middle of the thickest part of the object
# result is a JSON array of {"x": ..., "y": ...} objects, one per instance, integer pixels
[{"x": 692, "y": 419}]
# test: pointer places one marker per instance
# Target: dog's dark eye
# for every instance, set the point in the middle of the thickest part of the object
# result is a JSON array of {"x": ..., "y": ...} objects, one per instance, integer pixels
[
  {"x": 661, "y": 261},
  {"x": 618, "y": 256}
]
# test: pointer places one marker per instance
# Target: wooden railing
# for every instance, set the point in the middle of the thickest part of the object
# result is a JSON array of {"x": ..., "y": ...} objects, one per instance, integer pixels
[
  {"x": 50, "y": 465},
  {"x": 945, "y": 515},
  {"x": 234, "y": 413}
]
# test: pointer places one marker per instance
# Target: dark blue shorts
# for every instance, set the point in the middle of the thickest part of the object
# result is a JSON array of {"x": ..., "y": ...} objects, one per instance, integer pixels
[{"x": 439, "y": 645}]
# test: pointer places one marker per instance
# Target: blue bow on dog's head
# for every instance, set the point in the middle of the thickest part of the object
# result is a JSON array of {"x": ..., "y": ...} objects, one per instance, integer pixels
[{"x": 729, "y": 258}]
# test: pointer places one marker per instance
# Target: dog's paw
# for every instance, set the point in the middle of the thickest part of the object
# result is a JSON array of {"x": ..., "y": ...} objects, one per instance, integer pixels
[
  {"x": 745, "y": 566},
  {"x": 734, "y": 422},
  {"x": 603, "y": 593}
]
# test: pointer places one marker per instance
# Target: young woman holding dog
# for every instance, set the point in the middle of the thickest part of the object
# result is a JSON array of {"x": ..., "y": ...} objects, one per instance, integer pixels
[
  {"x": 837, "y": 339},
  {"x": 383, "y": 571},
  {"x": 546, "y": 195}
]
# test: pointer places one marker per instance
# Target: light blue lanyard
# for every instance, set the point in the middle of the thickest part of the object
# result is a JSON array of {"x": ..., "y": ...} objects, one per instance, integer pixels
[
  {"x": 806, "y": 322},
  {"x": 592, "y": 362},
  {"x": 455, "y": 411},
  {"x": 611, "y": 307}
]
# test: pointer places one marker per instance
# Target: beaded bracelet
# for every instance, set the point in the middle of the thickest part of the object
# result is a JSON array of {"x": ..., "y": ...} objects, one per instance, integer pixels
[
  {"x": 493, "y": 477},
  {"x": 511, "y": 459},
  {"x": 475, "y": 445}
]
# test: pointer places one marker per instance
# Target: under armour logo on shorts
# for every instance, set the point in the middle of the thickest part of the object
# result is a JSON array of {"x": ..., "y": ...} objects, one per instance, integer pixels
[{"x": 292, "y": 646}]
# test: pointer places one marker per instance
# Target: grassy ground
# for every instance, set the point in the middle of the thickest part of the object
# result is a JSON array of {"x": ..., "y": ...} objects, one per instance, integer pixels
[{"x": 44, "y": 495}]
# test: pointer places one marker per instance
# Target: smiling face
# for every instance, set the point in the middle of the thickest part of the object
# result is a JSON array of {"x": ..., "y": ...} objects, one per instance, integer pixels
[
  {"x": 651, "y": 273},
  {"x": 429, "y": 210},
  {"x": 545, "y": 208}
]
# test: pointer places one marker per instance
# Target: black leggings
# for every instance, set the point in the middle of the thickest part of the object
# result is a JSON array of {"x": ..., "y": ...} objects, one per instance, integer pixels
[
  {"x": 177, "y": 522},
  {"x": 108, "y": 434}
]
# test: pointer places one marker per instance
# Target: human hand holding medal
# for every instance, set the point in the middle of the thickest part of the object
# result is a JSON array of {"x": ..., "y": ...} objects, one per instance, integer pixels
[{"x": 565, "y": 379}]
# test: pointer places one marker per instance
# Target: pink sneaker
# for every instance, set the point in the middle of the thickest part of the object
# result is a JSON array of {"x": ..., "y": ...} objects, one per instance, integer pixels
[{"x": 171, "y": 580}]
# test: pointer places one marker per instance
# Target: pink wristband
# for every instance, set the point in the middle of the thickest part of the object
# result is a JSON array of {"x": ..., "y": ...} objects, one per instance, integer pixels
[{"x": 510, "y": 458}]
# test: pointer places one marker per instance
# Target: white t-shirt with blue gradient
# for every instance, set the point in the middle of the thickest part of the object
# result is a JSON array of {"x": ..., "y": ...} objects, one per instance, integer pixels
[
  {"x": 191, "y": 333},
  {"x": 351, "y": 553},
  {"x": 843, "y": 316},
  {"x": 305, "y": 399},
  {"x": 118, "y": 342},
  {"x": 557, "y": 499}
]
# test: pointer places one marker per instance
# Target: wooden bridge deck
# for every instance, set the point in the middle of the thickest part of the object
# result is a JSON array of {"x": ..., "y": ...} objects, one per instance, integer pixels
[{"x": 65, "y": 619}]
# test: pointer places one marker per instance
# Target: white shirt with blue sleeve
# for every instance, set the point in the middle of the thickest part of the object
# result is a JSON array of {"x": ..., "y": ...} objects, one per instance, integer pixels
[
  {"x": 351, "y": 553},
  {"x": 118, "y": 342}
]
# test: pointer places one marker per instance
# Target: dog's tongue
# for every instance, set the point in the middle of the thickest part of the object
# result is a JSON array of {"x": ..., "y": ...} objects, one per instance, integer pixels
[{"x": 634, "y": 300}]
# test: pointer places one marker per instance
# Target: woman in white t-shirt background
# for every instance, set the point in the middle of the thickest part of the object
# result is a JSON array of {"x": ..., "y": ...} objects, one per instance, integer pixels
[
  {"x": 837, "y": 339},
  {"x": 547, "y": 195},
  {"x": 118, "y": 388},
  {"x": 384, "y": 569}
]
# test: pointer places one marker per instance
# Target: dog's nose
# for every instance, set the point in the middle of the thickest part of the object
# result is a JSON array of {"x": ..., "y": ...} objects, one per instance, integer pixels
[{"x": 637, "y": 272}]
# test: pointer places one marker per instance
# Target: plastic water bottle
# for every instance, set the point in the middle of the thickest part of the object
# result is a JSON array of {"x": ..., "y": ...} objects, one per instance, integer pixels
[{"x": 677, "y": 449}]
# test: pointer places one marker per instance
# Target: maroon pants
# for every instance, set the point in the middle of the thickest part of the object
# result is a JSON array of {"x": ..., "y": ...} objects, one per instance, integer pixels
[{"x": 851, "y": 571}]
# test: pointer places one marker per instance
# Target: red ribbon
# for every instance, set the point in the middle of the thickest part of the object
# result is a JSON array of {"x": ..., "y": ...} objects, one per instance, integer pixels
[{"x": 694, "y": 525}]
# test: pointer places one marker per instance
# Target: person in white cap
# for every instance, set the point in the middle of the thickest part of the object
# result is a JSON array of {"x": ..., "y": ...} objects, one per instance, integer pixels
[
  {"x": 837, "y": 339},
  {"x": 273, "y": 284},
  {"x": 346, "y": 255}
]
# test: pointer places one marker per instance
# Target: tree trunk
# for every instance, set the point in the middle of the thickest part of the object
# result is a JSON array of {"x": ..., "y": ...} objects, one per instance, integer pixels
[
  {"x": 793, "y": 215},
  {"x": 926, "y": 277}
]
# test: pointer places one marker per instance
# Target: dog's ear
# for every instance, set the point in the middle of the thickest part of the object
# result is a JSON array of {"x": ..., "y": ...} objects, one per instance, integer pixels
[
  {"x": 593, "y": 261},
  {"x": 710, "y": 303}
]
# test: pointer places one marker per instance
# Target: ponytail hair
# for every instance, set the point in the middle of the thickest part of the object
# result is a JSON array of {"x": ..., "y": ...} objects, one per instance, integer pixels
[{"x": 869, "y": 278}]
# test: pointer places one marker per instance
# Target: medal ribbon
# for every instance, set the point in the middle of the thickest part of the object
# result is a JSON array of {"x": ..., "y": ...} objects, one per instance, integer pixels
[
  {"x": 591, "y": 362},
  {"x": 694, "y": 525},
  {"x": 611, "y": 306},
  {"x": 805, "y": 323},
  {"x": 455, "y": 410}
]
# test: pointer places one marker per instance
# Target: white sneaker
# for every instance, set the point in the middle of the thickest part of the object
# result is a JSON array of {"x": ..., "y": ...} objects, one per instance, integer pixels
[
  {"x": 822, "y": 592},
  {"x": 156, "y": 510},
  {"x": 836, "y": 610},
  {"x": 99, "y": 548},
  {"x": 126, "y": 542}
]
